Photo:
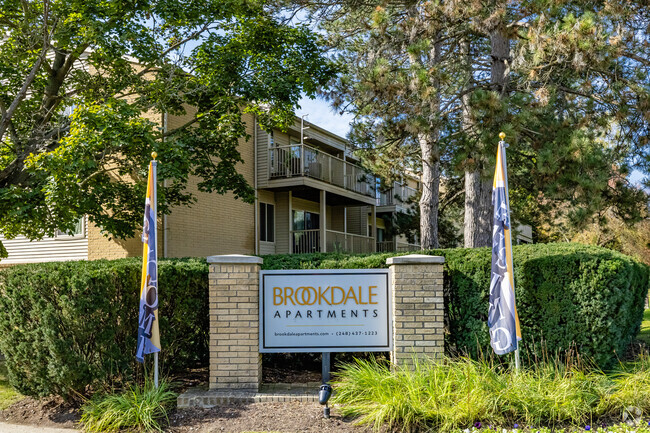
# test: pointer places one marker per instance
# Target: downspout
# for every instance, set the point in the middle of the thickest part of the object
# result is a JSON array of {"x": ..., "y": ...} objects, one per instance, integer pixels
[{"x": 257, "y": 226}]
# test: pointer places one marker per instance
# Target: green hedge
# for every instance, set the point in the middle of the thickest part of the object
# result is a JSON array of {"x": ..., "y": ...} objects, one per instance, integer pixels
[
  {"x": 66, "y": 326},
  {"x": 569, "y": 296}
]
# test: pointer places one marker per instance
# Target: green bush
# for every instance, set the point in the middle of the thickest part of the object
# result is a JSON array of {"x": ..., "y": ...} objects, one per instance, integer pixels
[
  {"x": 66, "y": 326},
  {"x": 569, "y": 296}
]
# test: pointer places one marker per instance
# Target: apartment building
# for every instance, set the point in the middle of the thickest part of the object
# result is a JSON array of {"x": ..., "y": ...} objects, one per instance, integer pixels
[{"x": 312, "y": 196}]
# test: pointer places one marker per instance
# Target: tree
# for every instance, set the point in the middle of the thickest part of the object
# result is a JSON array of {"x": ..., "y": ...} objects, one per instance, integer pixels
[
  {"x": 391, "y": 55},
  {"x": 81, "y": 80},
  {"x": 612, "y": 232},
  {"x": 581, "y": 67},
  {"x": 567, "y": 82}
]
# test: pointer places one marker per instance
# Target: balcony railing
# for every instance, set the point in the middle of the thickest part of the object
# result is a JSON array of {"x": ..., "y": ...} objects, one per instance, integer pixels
[
  {"x": 393, "y": 246},
  {"x": 305, "y": 241},
  {"x": 309, "y": 241},
  {"x": 303, "y": 160},
  {"x": 349, "y": 243},
  {"x": 398, "y": 195}
]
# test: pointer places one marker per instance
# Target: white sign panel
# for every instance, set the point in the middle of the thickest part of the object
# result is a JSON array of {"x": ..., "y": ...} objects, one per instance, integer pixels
[{"x": 345, "y": 310}]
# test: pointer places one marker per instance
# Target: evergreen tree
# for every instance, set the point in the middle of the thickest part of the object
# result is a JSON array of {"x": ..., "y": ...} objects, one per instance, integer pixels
[{"x": 566, "y": 81}]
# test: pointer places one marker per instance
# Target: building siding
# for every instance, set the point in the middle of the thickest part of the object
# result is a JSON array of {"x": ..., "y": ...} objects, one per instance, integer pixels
[
  {"x": 357, "y": 220},
  {"x": 282, "y": 222},
  {"x": 50, "y": 249},
  {"x": 337, "y": 219},
  {"x": 263, "y": 144}
]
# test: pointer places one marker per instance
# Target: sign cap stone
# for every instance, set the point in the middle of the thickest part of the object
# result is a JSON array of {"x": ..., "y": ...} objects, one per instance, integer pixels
[
  {"x": 236, "y": 258},
  {"x": 415, "y": 259}
]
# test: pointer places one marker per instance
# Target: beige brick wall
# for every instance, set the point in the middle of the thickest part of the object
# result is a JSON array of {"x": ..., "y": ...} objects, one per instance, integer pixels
[
  {"x": 102, "y": 247},
  {"x": 418, "y": 310},
  {"x": 235, "y": 362},
  {"x": 215, "y": 224}
]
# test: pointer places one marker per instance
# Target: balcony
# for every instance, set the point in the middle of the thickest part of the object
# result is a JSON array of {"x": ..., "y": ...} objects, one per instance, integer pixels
[
  {"x": 309, "y": 241},
  {"x": 300, "y": 160},
  {"x": 349, "y": 243},
  {"x": 399, "y": 195}
]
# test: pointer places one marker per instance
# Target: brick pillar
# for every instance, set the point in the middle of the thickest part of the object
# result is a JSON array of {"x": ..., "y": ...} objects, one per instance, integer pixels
[
  {"x": 418, "y": 307},
  {"x": 235, "y": 361}
]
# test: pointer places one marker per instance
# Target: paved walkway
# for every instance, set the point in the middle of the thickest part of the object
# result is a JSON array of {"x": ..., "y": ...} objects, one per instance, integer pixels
[{"x": 15, "y": 428}]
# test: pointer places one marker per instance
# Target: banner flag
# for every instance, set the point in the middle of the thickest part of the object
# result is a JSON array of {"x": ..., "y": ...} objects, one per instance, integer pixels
[
  {"x": 148, "y": 335},
  {"x": 502, "y": 313}
]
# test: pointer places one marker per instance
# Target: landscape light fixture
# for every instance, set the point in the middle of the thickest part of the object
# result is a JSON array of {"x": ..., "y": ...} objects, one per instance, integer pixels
[
  {"x": 323, "y": 395},
  {"x": 325, "y": 391}
]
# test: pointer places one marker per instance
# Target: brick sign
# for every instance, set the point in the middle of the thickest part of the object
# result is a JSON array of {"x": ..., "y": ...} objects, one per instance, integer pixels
[{"x": 325, "y": 311}]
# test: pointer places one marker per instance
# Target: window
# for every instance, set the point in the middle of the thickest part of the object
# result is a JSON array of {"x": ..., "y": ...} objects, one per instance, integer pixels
[
  {"x": 303, "y": 220},
  {"x": 267, "y": 224},
  {"x": 78, "y": 231}
]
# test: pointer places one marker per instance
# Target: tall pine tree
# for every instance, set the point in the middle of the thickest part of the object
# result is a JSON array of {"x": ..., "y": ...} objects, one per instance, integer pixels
[{"x": 566, "y": 81}]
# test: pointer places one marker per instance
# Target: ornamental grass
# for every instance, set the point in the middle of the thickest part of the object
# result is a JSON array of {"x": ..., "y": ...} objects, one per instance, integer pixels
[
  {"x": 140, "y": 408},
  {"x": 463, "y": 393}
]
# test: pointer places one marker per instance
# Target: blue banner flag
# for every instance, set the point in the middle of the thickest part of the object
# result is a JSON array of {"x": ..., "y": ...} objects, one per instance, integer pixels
[
  {"x": 148, "y": 335},
  {"x": 502, "y": 313}
]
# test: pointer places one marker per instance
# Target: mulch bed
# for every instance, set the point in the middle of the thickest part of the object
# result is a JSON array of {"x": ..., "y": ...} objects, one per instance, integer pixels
[
  {"x": 47, "y": 412},
  {"x": 286, "y": 417}
]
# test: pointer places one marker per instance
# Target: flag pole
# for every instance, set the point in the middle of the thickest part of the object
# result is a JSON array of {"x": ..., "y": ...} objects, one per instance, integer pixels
[
  {"x": 504, "y": 146},
  {"x": 154, "y": 204}
]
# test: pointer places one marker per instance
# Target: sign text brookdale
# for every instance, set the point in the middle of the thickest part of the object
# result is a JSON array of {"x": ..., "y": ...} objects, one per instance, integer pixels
[
  {"x": 331, "y": 295},
  {"x": 329, "y": 310}
]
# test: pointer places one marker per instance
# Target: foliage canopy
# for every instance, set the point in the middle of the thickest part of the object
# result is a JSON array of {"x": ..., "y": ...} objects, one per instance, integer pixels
[{"x": 85, "y": 86}]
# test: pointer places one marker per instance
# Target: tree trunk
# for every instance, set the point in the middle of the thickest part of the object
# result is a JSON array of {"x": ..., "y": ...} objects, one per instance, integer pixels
[
  {"x": 478, "y": 210},
  {"x": 478, "y": 184},
  {"x": 429, "y": 201}
]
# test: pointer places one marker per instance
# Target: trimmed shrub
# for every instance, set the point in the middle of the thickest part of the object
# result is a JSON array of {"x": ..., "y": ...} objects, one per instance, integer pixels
[
  {"x": 569, "y": 296},
  {"x": 66, "y": 326}
]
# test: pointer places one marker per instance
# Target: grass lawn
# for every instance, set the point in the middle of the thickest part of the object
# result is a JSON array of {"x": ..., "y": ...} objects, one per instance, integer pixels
[
  {"x": 8, "y": 395},
  {"x": 645, "y": 327}
]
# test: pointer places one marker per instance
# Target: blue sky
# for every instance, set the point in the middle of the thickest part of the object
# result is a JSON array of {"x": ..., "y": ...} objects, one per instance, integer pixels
[{"x": 321, "y": 114}]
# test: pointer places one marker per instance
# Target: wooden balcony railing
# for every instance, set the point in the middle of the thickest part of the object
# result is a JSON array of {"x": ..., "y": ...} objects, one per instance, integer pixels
[
  {"x": 303, "y": 160},
  {"x": 349, "y": 243},
  {"x": 397, "y": 195},
  {"x": 305, "y": 241},
  {"x": 309, "y": 241}
]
